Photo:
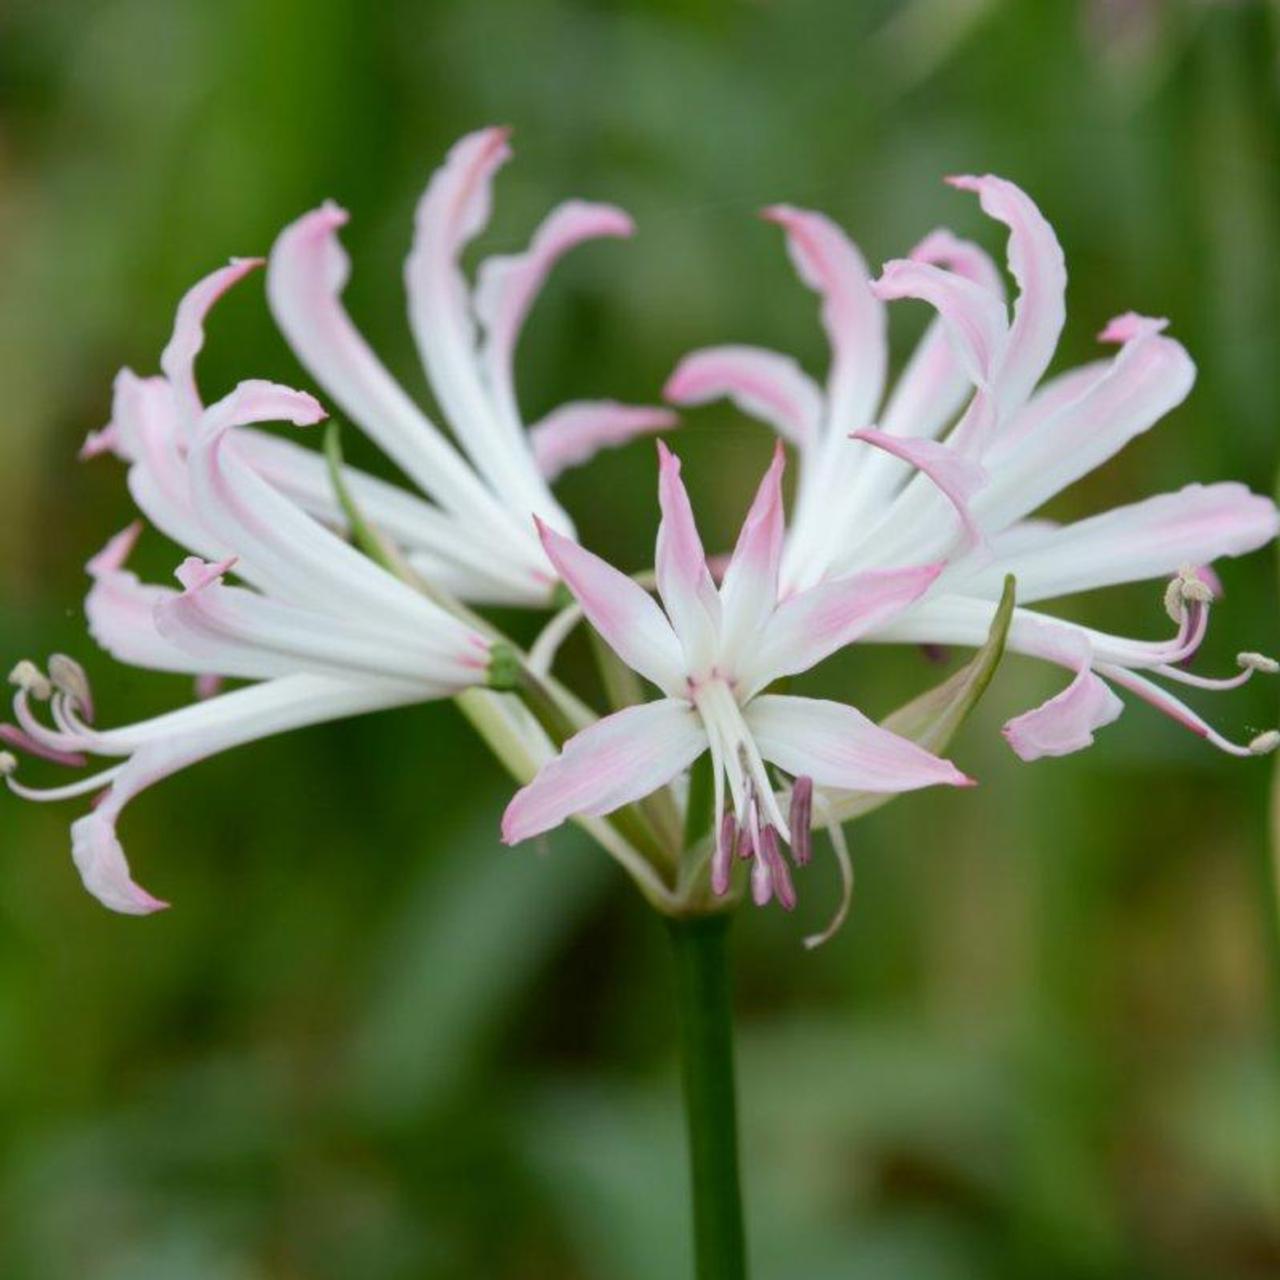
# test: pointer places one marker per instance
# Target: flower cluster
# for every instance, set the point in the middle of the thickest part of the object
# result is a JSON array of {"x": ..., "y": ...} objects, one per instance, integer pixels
[{"x": 912, "y": 510}]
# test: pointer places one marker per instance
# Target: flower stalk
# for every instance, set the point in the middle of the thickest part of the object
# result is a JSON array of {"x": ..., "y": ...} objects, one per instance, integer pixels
[{"x": 704, "y": 1007}]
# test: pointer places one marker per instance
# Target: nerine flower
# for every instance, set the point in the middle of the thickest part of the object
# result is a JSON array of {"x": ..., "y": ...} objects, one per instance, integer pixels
[
  {"x": 713, "y": 654},
  {"x": 325, "y": 631},
  {"x": 954, "y": 463}
]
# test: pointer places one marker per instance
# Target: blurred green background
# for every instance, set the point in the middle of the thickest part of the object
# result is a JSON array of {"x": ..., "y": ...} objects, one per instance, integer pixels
[{"x": 370, "y": 1042}]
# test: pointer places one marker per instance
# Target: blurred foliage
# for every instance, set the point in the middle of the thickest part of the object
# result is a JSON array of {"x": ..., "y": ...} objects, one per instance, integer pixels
[{"x": 367, "y": 1041}]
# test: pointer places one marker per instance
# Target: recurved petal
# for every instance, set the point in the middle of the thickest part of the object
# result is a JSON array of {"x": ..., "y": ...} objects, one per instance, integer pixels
[
  {"x": 1066, "y": 722},
  {"x": 507, "y": 286},
  {"x": 306, "y": 273},
  {"x": 459, "y": 198},
  {"x": 574, "y": 433},
  {"x": 837, "y": 746},
  {"x": 934, "y": 385},
  {"x": 957, "y": 477},
  {"x": 830, "y": 264},
  {"x": 121, "y": 611},
  {"x": 764, "y": 384},
  {"x": 179, "y": 357},
  {"x": 292, "y": 554},
  {"x": 620, "y": 610},
  {"x": 617, "y": 760},
  {"x": 974, "y": 317},
  {"x": 144, "y": 420},
  {"x": 945, "y": 249},
  {"x": 454, "y": 208},
  {"x": 1036, "y": 262}
]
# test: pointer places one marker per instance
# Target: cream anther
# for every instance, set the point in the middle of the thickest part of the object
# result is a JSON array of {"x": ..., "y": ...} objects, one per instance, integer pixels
[
  {"x": 1257, "y": 662},
  {"x": 69, "y": 677},
  {"x": 1187, "y": 588},
  {"x": 30, "y": 679},
  {"x": 1265, "y": 743}
]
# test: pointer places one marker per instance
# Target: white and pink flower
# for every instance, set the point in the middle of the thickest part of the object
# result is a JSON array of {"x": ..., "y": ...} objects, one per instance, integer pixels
[
  {"x": 713, "y": 654},
  {"x": 954, "y": 463},
  {"x": 324, "y": 631}
]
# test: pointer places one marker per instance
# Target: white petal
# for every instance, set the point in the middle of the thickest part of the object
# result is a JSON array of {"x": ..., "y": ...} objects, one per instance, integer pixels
[
  {"x": 684, "y": 581},
  {"x": 816, "y": 623},
  {"x": 453, "y": 209},
  {"x": 1149, "y": 539},
  {"x": 621, "y": 610},
  {"x": 617, "y": 760},
  {"x": 305, "y": 277},
  {"x": 763, "y": 384},
  {"x": 239, "y": 632},
  {"x": 1066, "y": 722},
  {"x": 1149, "y": 377},
  {"x": 574, "y": 433},
  {"x": 837, "y": 746},
  {"x": 477, "y": 565},
  {"x": 302, "y": 561}
]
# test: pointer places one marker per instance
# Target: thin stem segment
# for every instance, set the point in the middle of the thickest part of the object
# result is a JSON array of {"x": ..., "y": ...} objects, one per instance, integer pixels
[{"x": 705, "y": 1009}]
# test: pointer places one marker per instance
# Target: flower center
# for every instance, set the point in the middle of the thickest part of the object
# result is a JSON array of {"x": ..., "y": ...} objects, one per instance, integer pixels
[{"x": 752, "y": 826}]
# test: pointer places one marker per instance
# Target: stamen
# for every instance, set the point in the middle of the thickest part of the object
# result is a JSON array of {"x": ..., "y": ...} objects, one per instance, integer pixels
[
  {"x": 761, "y": 883},
  {"x": 1177, "y": 710},
  {"x": 1184, "y": 589},
  {"x": 69, "y": 676},
  {"x": 21, "y": 741},
  {"x": 750, "y": 846},
  {"x": 1258, "y": 662},
  {"x": 64, "y": 715},
  {"x": 779, "y": 872},
  {"x": 1217, "y": 683},
  {"x": 722, "y": 859},
  {"x": 801, "y": 820},
  {"x": 70, "y": 791},
  {"x": 1250, "y": 664},
  {"x": 840, "y": 848},
  {"x": 30, "y": 679}
]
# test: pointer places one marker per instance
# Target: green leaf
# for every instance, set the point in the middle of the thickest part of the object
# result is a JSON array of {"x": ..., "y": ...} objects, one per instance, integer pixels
[{"x": 933, "y": 718}]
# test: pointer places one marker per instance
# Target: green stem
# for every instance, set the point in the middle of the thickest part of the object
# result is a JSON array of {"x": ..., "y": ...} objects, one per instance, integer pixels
[{"x": 705, "y": 1010}]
